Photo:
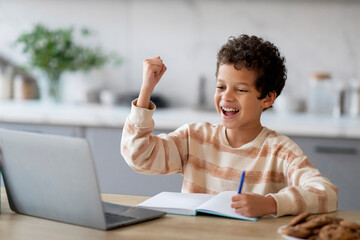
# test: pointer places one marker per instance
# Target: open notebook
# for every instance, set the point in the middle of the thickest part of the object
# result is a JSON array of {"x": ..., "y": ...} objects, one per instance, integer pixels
[{"x": 193, "y": 203}]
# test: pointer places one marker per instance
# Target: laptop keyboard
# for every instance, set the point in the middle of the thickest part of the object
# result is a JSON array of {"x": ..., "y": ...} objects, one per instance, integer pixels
[{"x": 114, "y": 218}]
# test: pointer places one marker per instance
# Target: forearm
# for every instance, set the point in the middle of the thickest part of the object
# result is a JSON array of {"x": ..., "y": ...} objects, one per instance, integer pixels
[
  {"x": 144, "y": 97},
  {"x": 307, "y": 190}
]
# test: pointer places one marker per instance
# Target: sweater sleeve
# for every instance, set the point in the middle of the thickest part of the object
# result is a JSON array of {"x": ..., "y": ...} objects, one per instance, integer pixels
[
  {"x": 150, "y": 154},
  {"x": 307, "y": 190}
]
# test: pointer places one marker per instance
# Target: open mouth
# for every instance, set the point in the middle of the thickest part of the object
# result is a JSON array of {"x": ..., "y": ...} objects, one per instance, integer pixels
[{"x": 229, "y": 111}]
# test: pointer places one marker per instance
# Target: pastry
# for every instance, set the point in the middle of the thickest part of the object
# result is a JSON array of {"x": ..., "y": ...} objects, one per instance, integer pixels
[
  {"x": 296, "y": 231},
  {"x": 351, "y": 225},
  {"x": 323, "y": 227},
  {"x": 335, "y": 231},
  {"x": 319, "y": 222},
  {"x": 299, "y": 218}
]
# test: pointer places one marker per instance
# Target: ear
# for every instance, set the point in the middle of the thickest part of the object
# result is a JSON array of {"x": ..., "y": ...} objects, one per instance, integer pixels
[{"x": 269, "y": 100}]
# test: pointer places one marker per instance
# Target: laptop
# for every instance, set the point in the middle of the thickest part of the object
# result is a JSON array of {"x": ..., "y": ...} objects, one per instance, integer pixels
[{"x": 54, "y": 177}]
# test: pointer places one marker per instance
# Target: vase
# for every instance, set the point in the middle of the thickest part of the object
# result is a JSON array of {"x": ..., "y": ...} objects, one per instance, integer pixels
[
  {"x": 54, "y": 93},
  {"x": 50, "y": 87}
]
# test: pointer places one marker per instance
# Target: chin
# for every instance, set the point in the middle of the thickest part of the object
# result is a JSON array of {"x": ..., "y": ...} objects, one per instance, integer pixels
[{"x": 229, "y": 125}]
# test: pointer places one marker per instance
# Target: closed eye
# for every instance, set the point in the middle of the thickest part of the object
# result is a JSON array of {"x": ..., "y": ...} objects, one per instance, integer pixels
[
  {"x": 220, "y": 87},
  {"x": 242, "y": 90}
]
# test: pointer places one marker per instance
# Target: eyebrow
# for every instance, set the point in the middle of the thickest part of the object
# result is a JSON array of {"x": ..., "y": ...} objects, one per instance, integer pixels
[{"x": 237, "y": 83}]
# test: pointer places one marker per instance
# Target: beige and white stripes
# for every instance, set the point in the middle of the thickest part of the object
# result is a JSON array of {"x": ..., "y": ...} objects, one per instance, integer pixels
[{"x": 274, "y": 164}]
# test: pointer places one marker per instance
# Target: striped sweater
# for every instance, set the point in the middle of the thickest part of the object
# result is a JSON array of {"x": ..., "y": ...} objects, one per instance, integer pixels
[{"x": 274, "y": 164}]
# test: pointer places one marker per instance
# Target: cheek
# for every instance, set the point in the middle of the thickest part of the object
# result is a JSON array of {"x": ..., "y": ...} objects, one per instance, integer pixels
[
  {"x": 253, "y": 105},
  {"x": 216, "y": 101},
  {"x": 216, "y": 98}
]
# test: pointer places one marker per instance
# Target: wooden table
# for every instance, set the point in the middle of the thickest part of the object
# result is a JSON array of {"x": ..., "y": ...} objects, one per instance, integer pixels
[{"x": 15, "y": 226}]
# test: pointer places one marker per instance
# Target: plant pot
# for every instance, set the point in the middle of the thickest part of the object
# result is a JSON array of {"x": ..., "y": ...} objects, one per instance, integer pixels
[
  {"x": 50, "y": 88},
  {"x": 54, "y": 91}
]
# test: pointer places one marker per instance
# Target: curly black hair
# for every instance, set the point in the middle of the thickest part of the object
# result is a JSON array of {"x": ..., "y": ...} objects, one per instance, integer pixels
[{"x": 255, "y": 54}]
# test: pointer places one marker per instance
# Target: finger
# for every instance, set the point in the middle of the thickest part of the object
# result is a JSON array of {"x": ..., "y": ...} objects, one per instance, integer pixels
[
  {"x": 163, "y": 70},
  {"x": 237, "y": 197},
  {"x": 241, "y": 211},
  {"x": 157, "y": 61},
  {"x": 153, "y": 58},
  {"x": 153, "y": 68},
  {"x": 156, "y": 69},
  {"x": 150, "y": 62},
  {"x": 237, "y": 204}
]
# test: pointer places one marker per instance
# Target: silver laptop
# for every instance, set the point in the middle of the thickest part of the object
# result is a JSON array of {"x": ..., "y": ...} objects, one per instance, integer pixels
[{"x": 54, "y": 177}]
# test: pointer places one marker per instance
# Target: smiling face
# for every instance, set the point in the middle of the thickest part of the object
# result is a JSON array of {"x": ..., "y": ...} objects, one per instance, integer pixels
[{"x": 236, "y": 98}]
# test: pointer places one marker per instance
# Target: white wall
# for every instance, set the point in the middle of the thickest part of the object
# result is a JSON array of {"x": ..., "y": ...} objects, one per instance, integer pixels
[{"x": 313, "y": 36}]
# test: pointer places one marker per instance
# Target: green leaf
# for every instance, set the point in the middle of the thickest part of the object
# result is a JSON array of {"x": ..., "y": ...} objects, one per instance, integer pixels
[{"x": 55, "y": 51}]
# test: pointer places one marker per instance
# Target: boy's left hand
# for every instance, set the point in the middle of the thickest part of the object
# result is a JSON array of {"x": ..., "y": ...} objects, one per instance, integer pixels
[{"x": 253, "y": 205}]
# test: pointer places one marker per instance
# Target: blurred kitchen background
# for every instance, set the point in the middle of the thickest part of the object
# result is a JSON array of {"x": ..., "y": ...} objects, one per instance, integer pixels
[
  {"x": 314, "y": 36},
  {"x": 319, "y": 107}
]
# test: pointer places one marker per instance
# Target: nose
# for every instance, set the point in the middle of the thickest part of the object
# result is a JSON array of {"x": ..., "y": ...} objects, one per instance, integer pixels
[{"x": 228, "y": 95}]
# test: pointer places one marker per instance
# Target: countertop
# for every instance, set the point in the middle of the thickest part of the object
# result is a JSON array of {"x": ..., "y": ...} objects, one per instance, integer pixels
[{"x": 94, "y": 115}]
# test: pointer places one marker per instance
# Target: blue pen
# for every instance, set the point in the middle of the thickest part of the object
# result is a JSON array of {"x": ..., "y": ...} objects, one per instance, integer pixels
[{"x": 241, "y": 182}]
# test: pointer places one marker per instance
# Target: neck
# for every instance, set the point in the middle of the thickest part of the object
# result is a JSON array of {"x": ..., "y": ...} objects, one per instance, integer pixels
[{"x": 240, "y": 137}]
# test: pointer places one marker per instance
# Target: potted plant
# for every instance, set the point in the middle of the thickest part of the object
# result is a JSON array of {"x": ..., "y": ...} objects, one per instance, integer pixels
[{"x": 54, "y": 51}]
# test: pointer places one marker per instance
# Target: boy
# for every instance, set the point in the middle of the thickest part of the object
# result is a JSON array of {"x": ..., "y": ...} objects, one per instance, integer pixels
[{"x": 279, "y": 178}]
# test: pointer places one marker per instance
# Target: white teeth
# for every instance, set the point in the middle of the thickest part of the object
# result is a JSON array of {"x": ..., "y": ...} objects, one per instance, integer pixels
[{"x": 230, "y": 109}]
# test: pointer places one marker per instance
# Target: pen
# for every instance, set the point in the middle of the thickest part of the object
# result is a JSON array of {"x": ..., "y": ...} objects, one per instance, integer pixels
[{"x": 241, "y": 181}]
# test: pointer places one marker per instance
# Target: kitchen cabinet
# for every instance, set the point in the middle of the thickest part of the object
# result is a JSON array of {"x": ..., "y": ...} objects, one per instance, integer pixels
[
  {"x": 115, "y": 176},
  {"x": 339, "y": 160}
]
